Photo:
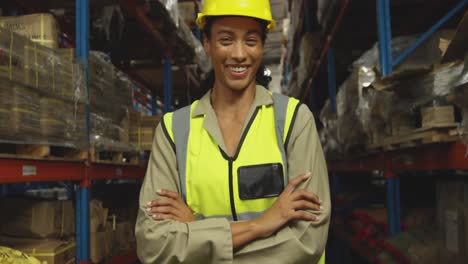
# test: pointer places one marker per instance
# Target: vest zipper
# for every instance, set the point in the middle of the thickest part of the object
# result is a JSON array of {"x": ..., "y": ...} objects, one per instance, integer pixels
[
  {"x": 231, "y": 190},
  {"x": 231, "y": 161}
]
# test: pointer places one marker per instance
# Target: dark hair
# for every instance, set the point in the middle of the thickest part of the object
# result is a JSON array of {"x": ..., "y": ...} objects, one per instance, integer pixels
[{"x": 260, "y": 77}]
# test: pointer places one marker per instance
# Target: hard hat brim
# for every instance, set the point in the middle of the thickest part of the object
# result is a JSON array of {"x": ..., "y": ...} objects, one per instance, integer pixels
[{"x": 201, "y": 20}]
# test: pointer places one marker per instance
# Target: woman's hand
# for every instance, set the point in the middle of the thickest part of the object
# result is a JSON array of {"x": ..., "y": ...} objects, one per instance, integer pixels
[
  {"x": 171, "y": 207},
  {"x": 290, "y": 205}
]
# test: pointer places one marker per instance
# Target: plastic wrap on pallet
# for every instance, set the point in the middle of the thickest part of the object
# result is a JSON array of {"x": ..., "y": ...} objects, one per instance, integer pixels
[
  {"x": 423, "y": 89},
  {"x": 427, "y": 54},
  {"x": 123, "y": 89},
  {"x": 110, "y": 89},
  {"x": 31, "y": 64},
  {"x": 344, "y": 130},
  {"x": 376, "y": 108},
  {"x": 106, "y": 135},
  {"x": 459, "y": 97},
  {"x": 172, "y": 8},
  {"x": 201, "y": 58},
  {"x": 307, "y": 53},
  {"x": 362, "y": 112},
  {"x": 30, "y": 116}
]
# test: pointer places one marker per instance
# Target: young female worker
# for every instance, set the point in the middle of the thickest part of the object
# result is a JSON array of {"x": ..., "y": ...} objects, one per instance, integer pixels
[{"x": 238, "y": 176}]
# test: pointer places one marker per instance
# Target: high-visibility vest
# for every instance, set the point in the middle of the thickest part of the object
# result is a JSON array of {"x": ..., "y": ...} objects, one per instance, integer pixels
[{"x": 209, "y": 179}]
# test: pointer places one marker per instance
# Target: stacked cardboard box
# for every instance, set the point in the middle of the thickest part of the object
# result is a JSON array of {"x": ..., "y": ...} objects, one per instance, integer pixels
[
  {"x": 371, "y": 109},
  {"x": 50, "y": 251},
  {"x": 10, "y": 255},
  {"x": 142, "y": 129},
  {"x": 41, "y": 94},
  {"x": 110, "y": 99},
  {"x": 110, "y": 234},
  {"x": 37, "y": 218},
  {"x": 40, "y": 28},
  {"x": 43, "y": 229},
  {"x": 452, "y": 220}
]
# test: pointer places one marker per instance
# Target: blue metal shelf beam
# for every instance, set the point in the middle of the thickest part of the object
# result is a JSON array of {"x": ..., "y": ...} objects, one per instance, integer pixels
[
  {"x": 428, "y": 33},
  {"x": 82, "y": 55},
  {"x": 386, "y": 65},
  {"x": 385, "y": 36}
]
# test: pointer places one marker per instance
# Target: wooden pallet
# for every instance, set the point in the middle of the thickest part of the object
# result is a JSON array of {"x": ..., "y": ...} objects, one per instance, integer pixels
[
  {"x": 418, "y": 137},
  {"x": 460, "y": 132},
  {"x": 114, "y": 157},
  {"x": 48, "y": 152}
]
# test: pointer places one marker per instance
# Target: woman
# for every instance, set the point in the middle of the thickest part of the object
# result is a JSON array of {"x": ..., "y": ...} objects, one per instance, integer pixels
[{"x": 239, "y": 176}]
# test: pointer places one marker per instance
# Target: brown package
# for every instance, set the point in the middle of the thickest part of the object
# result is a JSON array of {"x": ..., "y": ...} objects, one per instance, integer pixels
[
  {"x": 48, "y": 251},
  {"x": 40, "y": 28},
  {"x": 37, "y": 218}
]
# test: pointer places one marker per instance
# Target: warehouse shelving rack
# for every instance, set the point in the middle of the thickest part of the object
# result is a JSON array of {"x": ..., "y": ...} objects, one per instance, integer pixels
[
  {"x": 440, "y": 156},
  {"x": 80, "y": 172},
  {"x": 450, "y": 156}
]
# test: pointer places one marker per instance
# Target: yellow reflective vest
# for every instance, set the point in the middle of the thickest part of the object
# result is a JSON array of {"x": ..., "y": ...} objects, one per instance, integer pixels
[{"x": 214, "y": 184}]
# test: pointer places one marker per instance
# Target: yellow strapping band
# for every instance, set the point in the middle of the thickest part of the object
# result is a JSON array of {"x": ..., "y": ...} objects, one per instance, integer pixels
[
  {"x": 35, "y": 64},
  {"x": 24, "y": 111},
  {"x": 139, "y": 137},
  {"x": 11, "y": 54},
  {"x": 63, "y": 221},
  {"x": 114, "y": 224},
  {"x": 71, "y": 261},
  {"x": 53, "y": 254},
  {"x": 42, "y": 28}
]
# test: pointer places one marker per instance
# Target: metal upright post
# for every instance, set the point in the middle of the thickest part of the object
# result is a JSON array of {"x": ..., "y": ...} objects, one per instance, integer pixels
[
  {"x": 386, "y": 68},
  {"x": 79, "y": 243},
  {"x": 385, "y": 42},
  {"x": 197, "y": 29},
  {"x": 397, "y": 205},
  {"x": 167, "y": 85},
  {"x": 154, "y": 104},
  {"x": 82, "y": 55},
  {"x": 393, "y": 202},
  {"x": 429, "y": 32},
  {"x": 331, "y": 79}
]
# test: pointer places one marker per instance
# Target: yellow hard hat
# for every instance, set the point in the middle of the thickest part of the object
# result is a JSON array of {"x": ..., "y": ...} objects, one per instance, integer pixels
[{"x": 250, "y": 8}]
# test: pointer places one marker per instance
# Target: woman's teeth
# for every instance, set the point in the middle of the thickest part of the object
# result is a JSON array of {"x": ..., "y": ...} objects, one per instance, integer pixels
[{"x": 238, "y": 69}]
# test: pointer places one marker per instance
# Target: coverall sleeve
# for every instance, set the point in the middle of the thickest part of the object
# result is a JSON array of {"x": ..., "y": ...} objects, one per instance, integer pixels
[
  {"x": 203, "y": 241},
  {"x": 299, "y": 241}
]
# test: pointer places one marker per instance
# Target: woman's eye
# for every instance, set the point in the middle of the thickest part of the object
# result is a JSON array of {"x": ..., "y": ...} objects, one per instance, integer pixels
[
  {"x": 225, "y": 40},
  {"x": 252, "y": 41}
]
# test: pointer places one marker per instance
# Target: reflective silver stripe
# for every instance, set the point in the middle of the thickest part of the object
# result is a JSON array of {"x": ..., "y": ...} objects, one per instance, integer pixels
[
  {"x": 281, "y": 106},
  {"x": 180, "y": 129},
  {"x": 240, "y": 217}
]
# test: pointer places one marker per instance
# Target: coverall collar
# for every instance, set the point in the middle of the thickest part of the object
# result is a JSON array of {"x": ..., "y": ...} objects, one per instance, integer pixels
[{"x": 262, "y": 97}]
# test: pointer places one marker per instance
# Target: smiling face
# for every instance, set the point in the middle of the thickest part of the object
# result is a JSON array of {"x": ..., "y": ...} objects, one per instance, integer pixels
[{"x": 235, "y": 46}]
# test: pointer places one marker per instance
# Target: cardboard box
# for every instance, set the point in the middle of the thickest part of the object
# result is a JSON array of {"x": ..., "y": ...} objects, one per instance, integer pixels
[
  {"x": 47, "y": 251},
  {"x": 101, "y": 245},
  {"x": 142, "y": 137},
  {"x": 124, "y": 235},
  {"x": 40, "y": 28},
  {"x": 97, "y": 246},
  {"x": 10, "y": 255},
  {"x": 98, "y": 216},
  {"x": 37, "y": 218},
  {"x": 142, "y": 129},
  {"x": 452, "y": 199},
  {"x": 150, "y": 121}
]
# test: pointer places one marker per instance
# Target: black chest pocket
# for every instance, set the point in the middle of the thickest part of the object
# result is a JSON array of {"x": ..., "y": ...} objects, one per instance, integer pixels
[{"x": 260, "y": 181}]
